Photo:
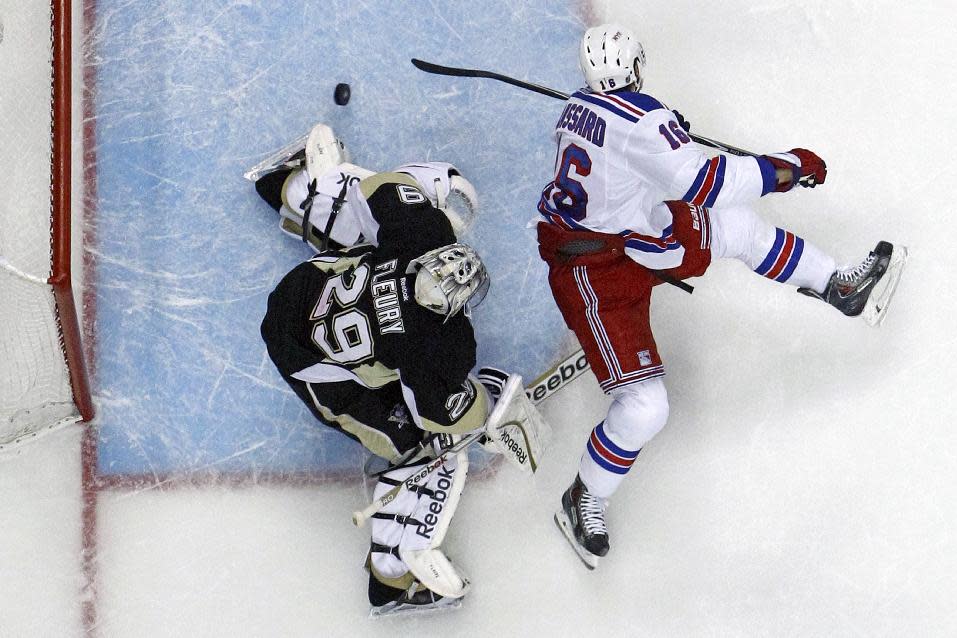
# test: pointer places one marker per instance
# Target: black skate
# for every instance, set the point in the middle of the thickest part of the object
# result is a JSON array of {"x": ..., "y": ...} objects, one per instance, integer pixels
[
  {"x": 582, "y": 521},
  {"x": 390, "y": 601},
  {"x": 868, "y": 287}
]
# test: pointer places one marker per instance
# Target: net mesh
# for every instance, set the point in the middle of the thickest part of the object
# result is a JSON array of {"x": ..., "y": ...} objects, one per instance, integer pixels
[{"x": 35, "y": 390}]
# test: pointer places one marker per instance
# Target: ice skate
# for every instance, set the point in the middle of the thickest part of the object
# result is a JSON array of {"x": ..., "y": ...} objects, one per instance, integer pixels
[
  {"x": 865, "y": 289},
  {"x": 582, "y": 521},
  {"x": 416, "y": 599}
]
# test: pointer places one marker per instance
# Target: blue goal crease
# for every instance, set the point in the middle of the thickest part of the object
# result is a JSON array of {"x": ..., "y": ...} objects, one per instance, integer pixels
[{"x": 189, "y": 95}]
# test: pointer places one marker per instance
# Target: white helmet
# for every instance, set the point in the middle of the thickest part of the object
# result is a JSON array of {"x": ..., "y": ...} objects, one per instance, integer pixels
[
  {"x": 611, "y": 58},
  {"x": 449, "y": 278}
]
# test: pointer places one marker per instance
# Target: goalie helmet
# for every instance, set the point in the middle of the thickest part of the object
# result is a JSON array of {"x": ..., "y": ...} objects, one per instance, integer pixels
[
  {"x": 449, "y": 278},
  {"x": 611, "y": 58}
]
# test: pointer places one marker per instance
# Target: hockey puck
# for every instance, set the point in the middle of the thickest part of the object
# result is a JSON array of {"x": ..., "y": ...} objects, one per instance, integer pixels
[{"x": 341, "y": 95}]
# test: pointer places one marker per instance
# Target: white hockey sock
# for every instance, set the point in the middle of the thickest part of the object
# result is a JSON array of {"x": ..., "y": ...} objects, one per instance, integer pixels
[
  {"x": 603, "y": 465},
  {"x": 775, "y": 253},
  {"x": 637, "y": 414}
]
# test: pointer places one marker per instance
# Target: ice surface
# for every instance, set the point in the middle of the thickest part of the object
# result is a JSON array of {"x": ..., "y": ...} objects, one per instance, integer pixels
[{"x": 805, "y": 483}]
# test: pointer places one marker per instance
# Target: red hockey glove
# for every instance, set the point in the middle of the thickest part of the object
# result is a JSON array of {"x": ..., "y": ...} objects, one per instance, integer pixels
[
  {"x": 800, "y": 165},
  {"x": 813, "y": 168}
]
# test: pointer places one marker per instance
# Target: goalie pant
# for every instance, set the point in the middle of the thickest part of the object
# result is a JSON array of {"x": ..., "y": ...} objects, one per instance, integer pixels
[{"x": 407, "y": 533}]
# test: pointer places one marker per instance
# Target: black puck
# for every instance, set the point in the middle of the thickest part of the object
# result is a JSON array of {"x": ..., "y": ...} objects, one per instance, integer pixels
[{"x": 341, "y": 95}]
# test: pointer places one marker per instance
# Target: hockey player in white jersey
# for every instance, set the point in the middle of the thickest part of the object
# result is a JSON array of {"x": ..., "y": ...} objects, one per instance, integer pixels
[
  {"x": 311, "y": 183},
  {"x": 634, "y": 202}
]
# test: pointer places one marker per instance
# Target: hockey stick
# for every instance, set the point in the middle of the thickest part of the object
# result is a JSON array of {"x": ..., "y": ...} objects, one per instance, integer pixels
[
  {"x": 359, "y": 518},
  {"x": 561, "y": 374},
  {"x": 438, "y": 69}
]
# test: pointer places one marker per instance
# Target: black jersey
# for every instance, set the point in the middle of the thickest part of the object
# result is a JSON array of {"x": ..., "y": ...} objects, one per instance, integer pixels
[{"x": 351, "y": 315}]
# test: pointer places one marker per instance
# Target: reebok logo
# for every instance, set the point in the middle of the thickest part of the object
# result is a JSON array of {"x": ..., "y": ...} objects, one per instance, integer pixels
[
  {"x": 513, "y": 446},
  {"x": 439, "y": 495},
  {"x": 568, "y": 370}
]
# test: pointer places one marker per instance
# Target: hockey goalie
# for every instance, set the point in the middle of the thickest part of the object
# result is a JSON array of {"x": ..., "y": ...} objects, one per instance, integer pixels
[{"x": 376, "y": 339}]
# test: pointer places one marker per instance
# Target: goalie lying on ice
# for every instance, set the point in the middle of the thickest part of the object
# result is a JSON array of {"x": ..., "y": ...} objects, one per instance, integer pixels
[
  {"x": 311, "y": 184},
  {"x": 377, "y": 342}
]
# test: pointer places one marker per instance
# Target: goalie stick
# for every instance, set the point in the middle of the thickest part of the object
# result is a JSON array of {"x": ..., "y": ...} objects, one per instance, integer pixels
[
  {"x": 560, "y": 375},
  {"x": 438, "y": 69}
]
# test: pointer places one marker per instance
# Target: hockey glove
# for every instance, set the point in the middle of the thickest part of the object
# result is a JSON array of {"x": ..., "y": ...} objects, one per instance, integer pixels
[
  {"x": 797, "y": 165},
  {"x": 682, "y": 122},
  {"x": 813, "y": 168}
]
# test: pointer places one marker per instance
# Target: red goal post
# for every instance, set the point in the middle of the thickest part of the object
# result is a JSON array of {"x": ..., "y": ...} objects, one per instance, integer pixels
[{"x": 43, "y": 375}]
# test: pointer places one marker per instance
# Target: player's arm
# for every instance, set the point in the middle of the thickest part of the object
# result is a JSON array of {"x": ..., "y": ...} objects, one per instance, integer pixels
[
  {"x": 660, "y": 150},
  {"x": 397, "y": 212},
  {"x": 437, "y": 386}
]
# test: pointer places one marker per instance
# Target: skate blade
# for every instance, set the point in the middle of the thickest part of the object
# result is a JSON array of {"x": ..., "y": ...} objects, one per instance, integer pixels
[
  {"x": 876, "y": 307},
  {"x": 565, "y": 525},
  {"x": 276, "y": 159},
  {"x": 416, "y": 610}
]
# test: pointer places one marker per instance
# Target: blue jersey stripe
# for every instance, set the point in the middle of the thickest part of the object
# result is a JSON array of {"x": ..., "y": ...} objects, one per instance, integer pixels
[
  {"x": 698, "y": 181},
  {"x": 640, "y": 100},
  {"x": 769, "y": 175},
  {"x": 647, "y": 247}
]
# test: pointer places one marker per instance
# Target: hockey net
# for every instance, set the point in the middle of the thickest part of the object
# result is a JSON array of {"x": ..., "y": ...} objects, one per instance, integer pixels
[{"x": 43, "y": 382}]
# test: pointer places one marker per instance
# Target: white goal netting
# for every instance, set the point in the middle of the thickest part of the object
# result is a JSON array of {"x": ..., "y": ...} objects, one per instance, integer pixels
[{"x": 35, "y": 380}]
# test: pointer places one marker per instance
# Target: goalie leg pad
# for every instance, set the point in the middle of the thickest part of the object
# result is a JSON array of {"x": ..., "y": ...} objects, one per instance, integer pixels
[
  {"x": 406, "y": 534},
  {"x": 324, "y": 151},
  {"x": 295, "y": 192}
]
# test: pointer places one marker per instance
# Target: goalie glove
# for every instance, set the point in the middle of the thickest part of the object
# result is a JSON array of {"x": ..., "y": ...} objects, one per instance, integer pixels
[{"x": 515, "y": 429}]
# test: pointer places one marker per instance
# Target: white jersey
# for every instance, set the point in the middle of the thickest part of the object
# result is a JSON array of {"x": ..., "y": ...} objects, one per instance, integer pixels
[
  {"x": 354, "y": 223},
  {"x": 620, "y": 155}
]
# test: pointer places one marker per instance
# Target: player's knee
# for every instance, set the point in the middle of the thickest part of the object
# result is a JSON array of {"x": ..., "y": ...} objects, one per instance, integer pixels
[
  {"x": 733, "y": 232},
  {"x": 638, "y": 413}
]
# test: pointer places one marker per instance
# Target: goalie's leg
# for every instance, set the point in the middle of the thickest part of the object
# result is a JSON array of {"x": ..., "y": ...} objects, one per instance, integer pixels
[{"x": 407, "y": 569}]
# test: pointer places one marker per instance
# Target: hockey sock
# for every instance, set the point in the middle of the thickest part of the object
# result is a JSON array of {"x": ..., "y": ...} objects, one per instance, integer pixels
[
  {"x": 775, "y": 253},
  {"x": 603, "y": 465},
  {"x": 637, "y": 414}
]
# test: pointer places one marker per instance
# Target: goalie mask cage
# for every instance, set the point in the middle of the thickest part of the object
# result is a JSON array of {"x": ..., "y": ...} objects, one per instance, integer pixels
[{"x": 43, "y": 379}]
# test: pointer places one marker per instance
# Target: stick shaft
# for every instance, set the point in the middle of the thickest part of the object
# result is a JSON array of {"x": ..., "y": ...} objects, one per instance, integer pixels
[{"x": 438, "y": 69}]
